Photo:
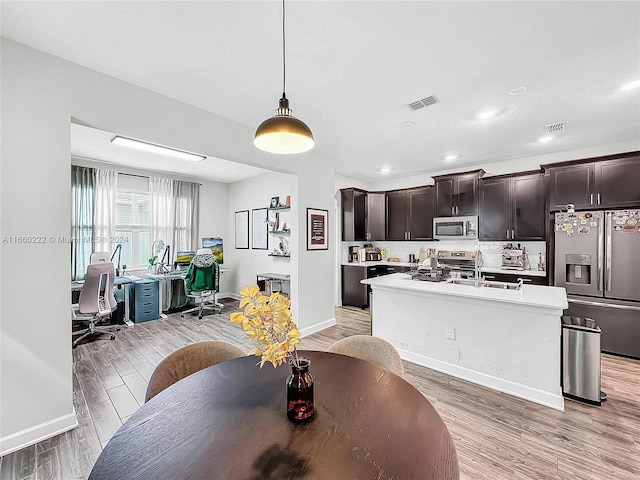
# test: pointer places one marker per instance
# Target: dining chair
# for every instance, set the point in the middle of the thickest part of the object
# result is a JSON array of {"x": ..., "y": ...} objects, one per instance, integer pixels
[
  {"x": 187, "y": 360},
  {"x": 371, "y": 349}
]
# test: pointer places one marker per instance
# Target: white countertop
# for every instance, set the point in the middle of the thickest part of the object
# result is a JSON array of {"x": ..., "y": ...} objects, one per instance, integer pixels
[
  {"x": 516, "y": 273},
  {"x": 531, "y": 295}
]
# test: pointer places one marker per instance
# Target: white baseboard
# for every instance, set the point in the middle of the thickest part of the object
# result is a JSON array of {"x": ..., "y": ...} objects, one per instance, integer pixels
[
  {"x": 548, "y": 399},
  {"x": 235, "y": 296},
  {"x": 305, "y": 332},
  {"x": 29, "y": 436}
]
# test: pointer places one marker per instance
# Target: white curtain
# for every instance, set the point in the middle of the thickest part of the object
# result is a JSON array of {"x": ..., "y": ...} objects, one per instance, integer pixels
[
  {"x": 104, "y": 210},
  {"x": 174, "y": 209}
]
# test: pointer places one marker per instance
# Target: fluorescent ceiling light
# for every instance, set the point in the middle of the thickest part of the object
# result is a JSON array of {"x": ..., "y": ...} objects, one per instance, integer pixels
[
  {"x": 631, "y": 85},
  {"x": 546, "y": 138},
  {"x": 158, "y": 149}
]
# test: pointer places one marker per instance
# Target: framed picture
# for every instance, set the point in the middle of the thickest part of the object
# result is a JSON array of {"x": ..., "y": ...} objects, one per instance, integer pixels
[
  {"x": 259, "y": 229},
  {"x": 274, "y": 202},
  {"x": 215, "y": 244},
  {"x": 242, "y": 229},
  {"x": 317, "y": 233}
]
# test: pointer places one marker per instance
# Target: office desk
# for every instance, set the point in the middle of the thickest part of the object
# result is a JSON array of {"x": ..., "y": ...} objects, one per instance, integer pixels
[
  {"x": 117, "y": 282},
  {"x": 172, "y": 294},
  {"x": 274, "y": 282},
  {"x": 229, "y": 422}
]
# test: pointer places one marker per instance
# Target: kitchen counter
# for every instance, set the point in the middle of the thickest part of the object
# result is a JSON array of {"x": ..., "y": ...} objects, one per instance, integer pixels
[
  {"x": 507, "y": 340},
  {"x": 531, "y": 273},
  {"x": 533, "y": 295}
]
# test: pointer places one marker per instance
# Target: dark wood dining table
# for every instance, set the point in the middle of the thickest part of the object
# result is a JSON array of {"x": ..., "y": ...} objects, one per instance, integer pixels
[{"x": 229, "y": 421}]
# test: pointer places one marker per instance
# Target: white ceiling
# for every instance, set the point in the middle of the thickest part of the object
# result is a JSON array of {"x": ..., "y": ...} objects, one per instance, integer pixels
[
  {"x": 352, "y": 68},
  {"x": 91, "y": 143}
]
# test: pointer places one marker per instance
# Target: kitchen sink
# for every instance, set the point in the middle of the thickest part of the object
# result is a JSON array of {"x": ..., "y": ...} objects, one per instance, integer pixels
[
  {"x": 502, "y": 285},
  {"x": 486, "y": 283}
]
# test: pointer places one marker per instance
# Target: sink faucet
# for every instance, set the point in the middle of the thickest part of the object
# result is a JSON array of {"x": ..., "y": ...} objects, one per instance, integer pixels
[{"x": 477, "y": 272}]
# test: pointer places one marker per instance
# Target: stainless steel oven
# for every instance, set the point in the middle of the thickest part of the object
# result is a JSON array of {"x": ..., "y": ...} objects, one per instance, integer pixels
[{"x": 455, "y": 228}]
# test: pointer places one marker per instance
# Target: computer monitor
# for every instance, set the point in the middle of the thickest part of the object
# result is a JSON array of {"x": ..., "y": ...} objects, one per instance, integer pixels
[
  {"x": 184, "y": 258},
  {"x": 215, "y": 244}
]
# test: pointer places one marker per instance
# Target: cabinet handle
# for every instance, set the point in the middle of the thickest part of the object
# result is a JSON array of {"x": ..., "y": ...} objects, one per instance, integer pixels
[
  {"x": 507, "y": 234},
  {"x": 456, "y": 209},
  {"x": 591, "y": 199},
  {"x": 408, "y": 235},
  {"x": 453, "y": 212},
  {"x": 598, "y": 199},
  {"x": 513, "y": 234}
]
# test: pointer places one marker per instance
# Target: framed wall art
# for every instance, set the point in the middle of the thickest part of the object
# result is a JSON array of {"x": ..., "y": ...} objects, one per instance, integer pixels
[
  {"x": 242, "y": 229},
  {"x": 259, "y": 229},
  {"x": 317, "y": 229}
]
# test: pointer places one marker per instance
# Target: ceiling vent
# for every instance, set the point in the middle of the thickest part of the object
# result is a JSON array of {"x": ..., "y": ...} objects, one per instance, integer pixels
[
  {"x": 425, "y": 102},
  {"x": 555, "y": 127}
]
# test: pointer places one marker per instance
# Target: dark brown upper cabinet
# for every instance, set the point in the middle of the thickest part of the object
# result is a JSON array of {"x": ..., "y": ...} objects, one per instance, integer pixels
[
  {"x": 512, "y": 207},
  {"x": 363, "y": 215},
  {"x": 603, "y": 182},
  {"x": 354, "y": 214},
  {"x": 410, "y": 214},
  {"x": 457, "y": 194}
]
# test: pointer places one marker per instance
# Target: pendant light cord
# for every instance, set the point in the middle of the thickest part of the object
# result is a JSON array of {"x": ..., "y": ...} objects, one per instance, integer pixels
[{"x": 284, "y": 64}]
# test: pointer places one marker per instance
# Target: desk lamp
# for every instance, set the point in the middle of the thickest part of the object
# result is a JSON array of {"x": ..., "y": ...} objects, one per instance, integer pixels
[{"x": 118, "y": 250}]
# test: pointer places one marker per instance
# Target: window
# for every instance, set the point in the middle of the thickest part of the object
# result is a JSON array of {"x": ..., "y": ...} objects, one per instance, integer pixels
[{"x": 132, "y": 223}]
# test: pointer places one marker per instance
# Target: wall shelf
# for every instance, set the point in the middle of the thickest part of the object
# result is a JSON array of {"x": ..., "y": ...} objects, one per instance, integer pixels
[
  {"x": 283, "y": 207},
  {"x": 280, "y": 232},
  {"x": 275, "y": 255}
]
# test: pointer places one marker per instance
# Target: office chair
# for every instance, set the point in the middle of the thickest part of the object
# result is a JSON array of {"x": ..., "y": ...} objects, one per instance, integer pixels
[
  {"x": 202, "y": 282},
  {"x": 99, "y": 257},
  {"x": 187, "y": 360},
  {"x": 96, "y": 301},
  {"x": 371, "y": 349}
]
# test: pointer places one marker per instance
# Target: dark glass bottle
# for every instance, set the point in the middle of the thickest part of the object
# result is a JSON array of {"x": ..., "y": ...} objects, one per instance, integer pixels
[{"x": 300, "y": 407}]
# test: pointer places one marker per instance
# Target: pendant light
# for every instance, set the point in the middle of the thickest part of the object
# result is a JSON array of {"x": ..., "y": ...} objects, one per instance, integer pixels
[{"x": 283, "y": 133}]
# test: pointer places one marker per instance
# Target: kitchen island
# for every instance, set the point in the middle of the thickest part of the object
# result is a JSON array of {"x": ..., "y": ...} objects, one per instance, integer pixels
[{"x": 507, "y": 340}]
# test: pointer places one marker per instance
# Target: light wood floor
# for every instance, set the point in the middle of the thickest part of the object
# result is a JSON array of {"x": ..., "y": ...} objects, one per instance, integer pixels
[{"x": 496, "y": 436}]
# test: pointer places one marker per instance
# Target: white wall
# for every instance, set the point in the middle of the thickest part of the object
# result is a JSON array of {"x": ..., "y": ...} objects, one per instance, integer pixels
[
  {"x": 252, "y": 194},
  {"x": 40, "y": 95}
]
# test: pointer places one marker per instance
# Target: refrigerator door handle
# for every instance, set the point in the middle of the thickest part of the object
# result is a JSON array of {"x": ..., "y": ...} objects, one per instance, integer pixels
[
  {"x": 600, "y": 255},
  {"x": 608, "y": 252}
]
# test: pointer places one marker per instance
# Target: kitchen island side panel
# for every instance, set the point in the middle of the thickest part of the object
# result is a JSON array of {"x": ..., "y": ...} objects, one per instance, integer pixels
[{"x": 504, "y": 346}]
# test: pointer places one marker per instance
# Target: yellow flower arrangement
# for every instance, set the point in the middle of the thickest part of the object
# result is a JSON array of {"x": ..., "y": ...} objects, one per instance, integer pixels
[{"x": 268, "y": 321}]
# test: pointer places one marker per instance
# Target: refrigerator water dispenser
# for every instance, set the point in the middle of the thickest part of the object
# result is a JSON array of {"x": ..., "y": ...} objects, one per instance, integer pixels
[{"x": 578, "y": 268}]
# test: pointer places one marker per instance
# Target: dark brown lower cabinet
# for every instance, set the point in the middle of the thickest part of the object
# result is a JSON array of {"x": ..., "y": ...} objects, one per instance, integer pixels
[
  {"x": 354, "y": 293},
  {"x": 513, "y": 278}
]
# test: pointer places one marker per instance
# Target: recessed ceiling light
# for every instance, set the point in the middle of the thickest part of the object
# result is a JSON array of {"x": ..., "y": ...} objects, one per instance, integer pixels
[
  {"x": 158, "y": 149},
  {"x": 631, "y": 85},
  {"x": 517, "y": 91},
  {"x": 486, "y": 114},
  {"x": 450, "y": 157},
  {"x": 385, "y": 170},
  {"x": 408, "y": 124},
  {"x": 546, "y": 138}
]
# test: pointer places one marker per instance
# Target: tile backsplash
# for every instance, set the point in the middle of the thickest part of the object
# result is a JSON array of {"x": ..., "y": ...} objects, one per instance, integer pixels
[{"x": 491, "y": 251}]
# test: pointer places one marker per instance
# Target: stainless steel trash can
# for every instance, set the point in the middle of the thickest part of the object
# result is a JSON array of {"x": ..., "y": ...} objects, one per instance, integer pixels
[{"x": 581, "y": 369}]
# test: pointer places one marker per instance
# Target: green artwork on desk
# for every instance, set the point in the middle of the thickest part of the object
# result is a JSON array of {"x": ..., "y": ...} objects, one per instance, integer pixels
[{"x": 215, "y": 244}]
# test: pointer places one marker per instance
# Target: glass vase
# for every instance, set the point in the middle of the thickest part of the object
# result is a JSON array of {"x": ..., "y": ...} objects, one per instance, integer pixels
[{"x": 300, "y": 407}]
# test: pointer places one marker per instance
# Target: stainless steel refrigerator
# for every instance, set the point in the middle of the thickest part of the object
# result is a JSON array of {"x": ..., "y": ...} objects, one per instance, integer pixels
[{"x": 597, "y": 260}]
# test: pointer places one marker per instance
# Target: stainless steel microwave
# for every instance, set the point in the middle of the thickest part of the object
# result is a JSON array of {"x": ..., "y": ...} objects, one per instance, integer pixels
[{"x": 455, "y": 228}]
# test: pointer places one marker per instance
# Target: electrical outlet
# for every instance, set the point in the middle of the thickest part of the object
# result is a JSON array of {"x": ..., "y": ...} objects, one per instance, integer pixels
[{"x": 450, "y": 333}]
